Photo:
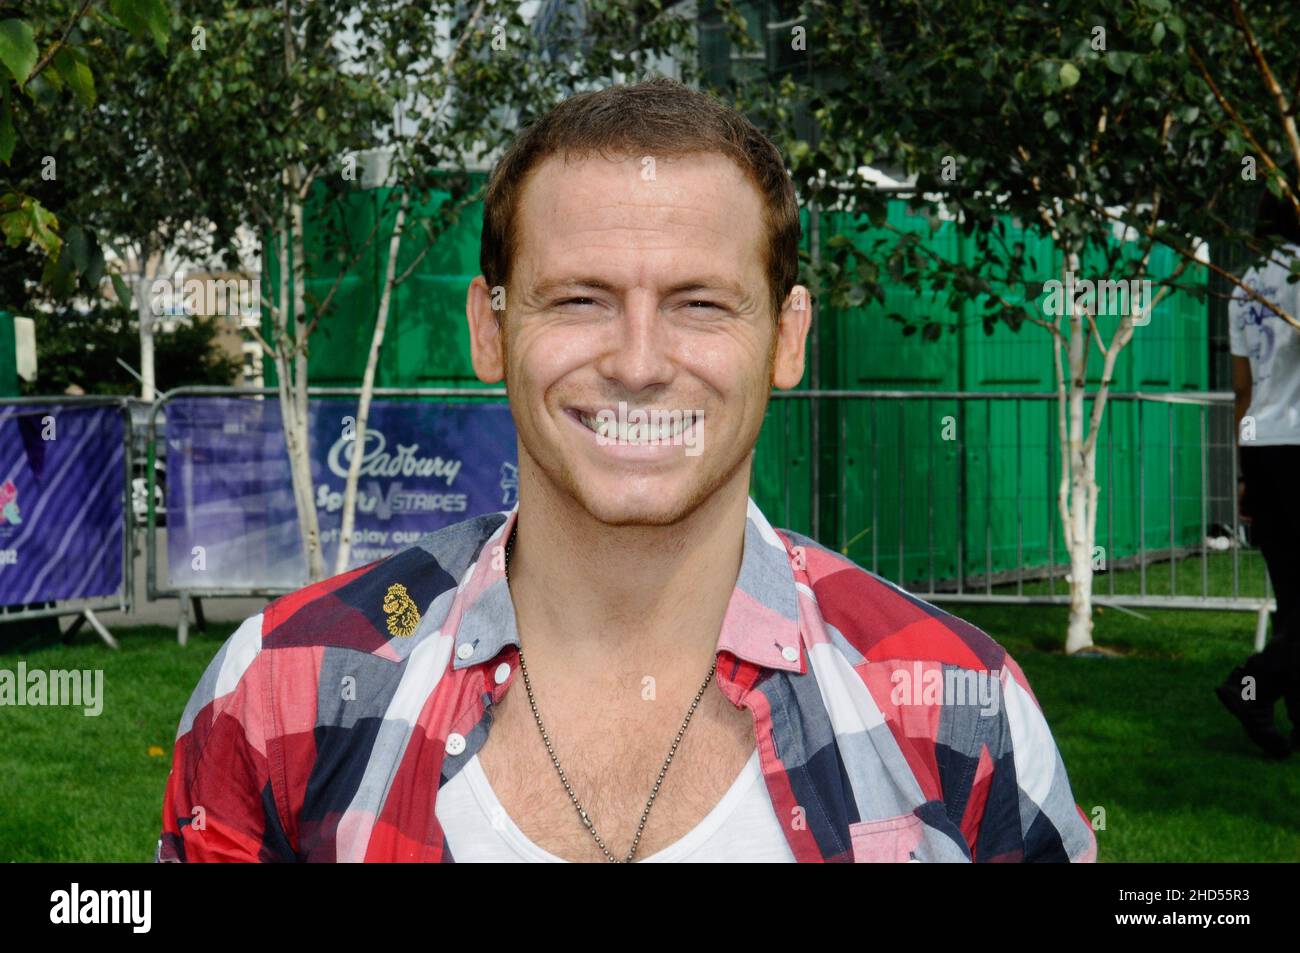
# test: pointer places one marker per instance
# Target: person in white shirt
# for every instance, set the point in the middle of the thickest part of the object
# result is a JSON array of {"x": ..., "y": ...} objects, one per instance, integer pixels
[{"x": 1266, "y": 382}]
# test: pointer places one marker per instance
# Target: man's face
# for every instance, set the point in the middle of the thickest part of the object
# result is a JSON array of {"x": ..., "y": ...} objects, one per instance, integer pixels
[{"x": 643, "y": 284}]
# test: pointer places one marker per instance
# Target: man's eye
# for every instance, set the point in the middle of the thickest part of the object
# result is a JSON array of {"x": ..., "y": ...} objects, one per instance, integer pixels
[
  {"x": 576, "y": 301},
  {"x": 707, "y": 304}
]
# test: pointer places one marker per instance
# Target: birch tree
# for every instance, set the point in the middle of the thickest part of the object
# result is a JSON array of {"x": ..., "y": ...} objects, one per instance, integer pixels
[
  {"x": 1078, "y": 119},
  {"x": 328, "y": 108}
]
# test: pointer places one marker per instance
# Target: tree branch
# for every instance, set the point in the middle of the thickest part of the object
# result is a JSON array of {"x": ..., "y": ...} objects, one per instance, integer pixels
[{"x": 58, "y": 44}]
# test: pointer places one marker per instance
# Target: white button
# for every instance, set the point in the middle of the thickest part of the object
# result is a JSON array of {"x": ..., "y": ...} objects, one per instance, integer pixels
[
  {"x": 790, "y": 653},
  {"x": 455, "y": 743},
  {"x": 464, "y": 650},
  {"x": 502, "y": 673}
]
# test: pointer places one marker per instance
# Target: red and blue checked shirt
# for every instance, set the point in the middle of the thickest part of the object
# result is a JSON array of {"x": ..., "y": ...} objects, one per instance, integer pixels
[{"x": 325, "y": 726}]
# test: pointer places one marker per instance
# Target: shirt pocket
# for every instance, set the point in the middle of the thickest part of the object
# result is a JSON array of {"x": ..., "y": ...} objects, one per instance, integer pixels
[{"x": 893, "y": 840}]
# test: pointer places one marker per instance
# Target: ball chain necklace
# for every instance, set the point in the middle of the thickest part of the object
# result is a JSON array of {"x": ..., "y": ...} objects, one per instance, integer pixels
[{"x": 582, "y": 813}]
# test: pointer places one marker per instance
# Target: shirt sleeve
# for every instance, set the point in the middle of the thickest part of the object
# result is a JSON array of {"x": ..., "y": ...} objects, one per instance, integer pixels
[
  {"x": 1029, "y": 814},
  {"x": 219, "y": 803},
  {"x": 1239, "y": 305},
  {"x": 1236, "y": 327}
]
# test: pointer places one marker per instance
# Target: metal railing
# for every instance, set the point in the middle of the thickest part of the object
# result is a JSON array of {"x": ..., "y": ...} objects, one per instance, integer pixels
[
  {"x": 189, "y": 598},
  {"x": 1166, "y": 463}
]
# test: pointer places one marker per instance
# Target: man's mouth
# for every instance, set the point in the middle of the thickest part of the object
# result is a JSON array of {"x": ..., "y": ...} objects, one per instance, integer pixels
[{"x": 658, "y": 426}]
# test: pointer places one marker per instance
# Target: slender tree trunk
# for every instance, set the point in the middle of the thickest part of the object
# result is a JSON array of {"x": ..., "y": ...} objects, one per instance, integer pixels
[
  {"x": 1077, "y": 490},
  {"x": 300, "y": 448},
  {"x": 367, "y": 388},
  {"x": 291, "y": 358},
  {"x": 144, "y": 320},
  {"x": 284, "y": 359}
]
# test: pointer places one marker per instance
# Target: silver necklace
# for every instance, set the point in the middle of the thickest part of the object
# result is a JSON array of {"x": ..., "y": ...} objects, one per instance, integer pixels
[{"x": 582, "y": 813}]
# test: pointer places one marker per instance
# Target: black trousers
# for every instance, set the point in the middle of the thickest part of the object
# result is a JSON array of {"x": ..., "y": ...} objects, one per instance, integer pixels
[{"x": 1272, "y": 500}]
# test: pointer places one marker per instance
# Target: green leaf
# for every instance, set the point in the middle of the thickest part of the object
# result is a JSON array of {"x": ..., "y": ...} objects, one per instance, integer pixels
[
  {"x": 94, "y": 269},
  {"x": 123, "y": 292},
  {"x": 71, "y": 65},
  {"x": 1118, "y": 62},
  {"x": 1274, "y": 185},
  {"x": 76, "y": 248},
  {"x": 17, "y": 49},
  {"x": 144, "y": 18},
  {"x": 58, "y": 273},
  {"x": 1069, "y": 75},
  {"x": 23, "y": 218},
  {"x": 7, "y": 135}
]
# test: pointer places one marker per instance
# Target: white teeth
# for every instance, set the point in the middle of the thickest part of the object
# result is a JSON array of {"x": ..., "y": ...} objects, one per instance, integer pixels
[{"x": 622, "y": 432}]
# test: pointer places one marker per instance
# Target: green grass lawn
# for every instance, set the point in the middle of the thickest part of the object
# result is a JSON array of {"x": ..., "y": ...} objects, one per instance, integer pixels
[
  {"x": 78, "y": 788},
  {"x": 1142, "y": 737}
]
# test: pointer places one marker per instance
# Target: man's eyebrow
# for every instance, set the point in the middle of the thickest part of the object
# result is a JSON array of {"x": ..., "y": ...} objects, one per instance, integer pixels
[
  {"x": 575, "y": 281},
  {"x": 707, "y": 283},
  {"x": 701, "y": 283}
]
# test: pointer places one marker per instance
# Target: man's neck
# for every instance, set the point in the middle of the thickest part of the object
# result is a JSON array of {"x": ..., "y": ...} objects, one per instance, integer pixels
[{"x": 604, "y": 594}]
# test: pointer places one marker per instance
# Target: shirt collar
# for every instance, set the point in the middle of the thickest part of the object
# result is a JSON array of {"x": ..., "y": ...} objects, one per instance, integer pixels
[{"x": 761, "y": 624}]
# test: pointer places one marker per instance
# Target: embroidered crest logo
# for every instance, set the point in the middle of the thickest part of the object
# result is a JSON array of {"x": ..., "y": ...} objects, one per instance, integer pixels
[{"x": 403, "y": 616}]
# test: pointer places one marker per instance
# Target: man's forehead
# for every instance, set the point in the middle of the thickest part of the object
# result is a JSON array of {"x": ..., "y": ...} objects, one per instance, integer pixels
[
  {"x": 634, "y": 170},
  {"x": 695, "y": 205}
]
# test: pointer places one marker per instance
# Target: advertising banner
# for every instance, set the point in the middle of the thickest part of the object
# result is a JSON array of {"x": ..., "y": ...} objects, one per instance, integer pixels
[
  {"x": 231, "y": 519},
  {"x": 62, "y": 502}
]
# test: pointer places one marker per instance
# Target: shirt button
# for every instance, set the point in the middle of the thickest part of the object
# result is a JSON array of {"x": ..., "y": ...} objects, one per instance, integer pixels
[
  {"x": 502, "y": 673},
  {"x": 790, "y": 653},
  {"x": 455, "y": 743},
  {"x": 464, "y": 650}
]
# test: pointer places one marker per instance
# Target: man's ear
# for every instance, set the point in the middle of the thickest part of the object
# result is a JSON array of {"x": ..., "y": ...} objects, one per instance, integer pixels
[
  {"x": 791, "y": 337},
  {"x": 486, "y": 331}
]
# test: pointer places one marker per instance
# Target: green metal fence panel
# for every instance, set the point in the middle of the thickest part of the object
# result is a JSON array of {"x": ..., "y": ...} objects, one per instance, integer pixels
[
  {"x": 1010, "y": 506},
  {"x": 8, "y": 356},
  {"x": 347, "y": 242},
  {"x": 999, "y": 471},
  {"x": 890, "y": 454},
  {"x": 781, "y": 473}
]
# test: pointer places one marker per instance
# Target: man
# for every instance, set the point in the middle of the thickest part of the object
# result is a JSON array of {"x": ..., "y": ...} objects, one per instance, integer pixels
[
  {"x": 1266, "y": 383},
  {"x": 696, "y": 685}
]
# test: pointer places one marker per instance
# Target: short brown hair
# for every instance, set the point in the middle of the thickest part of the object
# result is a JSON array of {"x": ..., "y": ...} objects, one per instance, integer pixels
[{"x": 657, "y": 117}]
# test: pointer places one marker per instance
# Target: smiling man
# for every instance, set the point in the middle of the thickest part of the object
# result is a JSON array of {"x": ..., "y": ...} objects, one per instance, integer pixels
[{"x": 631, "y": 664}]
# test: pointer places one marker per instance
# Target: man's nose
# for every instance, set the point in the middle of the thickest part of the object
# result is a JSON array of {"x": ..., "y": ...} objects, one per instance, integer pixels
[{"x": 638, "y": 354}]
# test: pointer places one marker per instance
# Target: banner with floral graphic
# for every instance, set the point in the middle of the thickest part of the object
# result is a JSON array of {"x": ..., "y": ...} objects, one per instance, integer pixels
[{"x": 62, "y": 502}]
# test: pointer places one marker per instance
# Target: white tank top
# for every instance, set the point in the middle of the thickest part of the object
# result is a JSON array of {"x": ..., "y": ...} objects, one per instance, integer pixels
[{"x": 742, "y": 827}]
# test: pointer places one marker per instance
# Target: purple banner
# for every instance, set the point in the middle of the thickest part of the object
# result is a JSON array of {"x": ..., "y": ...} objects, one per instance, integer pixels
[
  {"x": 231, "y": 519},
  {"x": 62, "y": 502}
]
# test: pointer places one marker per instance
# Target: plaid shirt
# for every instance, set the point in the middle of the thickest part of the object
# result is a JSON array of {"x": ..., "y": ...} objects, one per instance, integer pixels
[{"x": 325, "y": 726}]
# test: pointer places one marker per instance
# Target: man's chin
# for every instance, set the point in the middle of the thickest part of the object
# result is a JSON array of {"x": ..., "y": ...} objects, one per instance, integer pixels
[{"x": 632, "y": 505}]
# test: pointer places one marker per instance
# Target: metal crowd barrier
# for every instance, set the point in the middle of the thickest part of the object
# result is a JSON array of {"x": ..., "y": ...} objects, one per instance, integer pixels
[
  {"x": 190, "y": 599},
  {"x": 1185, "y": 553},
  {"x": 890, "y": 523}
]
